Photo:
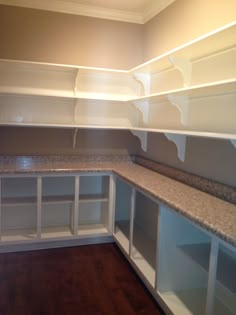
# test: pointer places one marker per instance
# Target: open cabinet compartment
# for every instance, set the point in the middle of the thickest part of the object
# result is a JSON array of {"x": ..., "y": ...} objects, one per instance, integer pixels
[
  {"x": 94, "y": 205},
  {"x": 144, "y": 236},
  {"x": 122, "y": 214},
  {"x": 57, "y": 206},
  {"x": 18, "y": 215},
  {"x": 225, "y": 285},
  {"x": 181, "y": 281}
]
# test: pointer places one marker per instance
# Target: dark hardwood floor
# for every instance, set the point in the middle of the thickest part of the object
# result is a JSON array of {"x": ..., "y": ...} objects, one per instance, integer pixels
[{"x": 84, "y": 280}]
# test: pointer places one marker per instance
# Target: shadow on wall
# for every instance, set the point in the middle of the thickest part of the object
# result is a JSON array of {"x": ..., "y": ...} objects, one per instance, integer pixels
[
  {"x": 211, "y": 158},
  {"x": 53, "y": 141}
]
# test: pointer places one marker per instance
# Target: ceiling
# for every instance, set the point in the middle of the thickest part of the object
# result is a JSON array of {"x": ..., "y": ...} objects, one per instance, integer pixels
[{"x": 134, "y": 11}]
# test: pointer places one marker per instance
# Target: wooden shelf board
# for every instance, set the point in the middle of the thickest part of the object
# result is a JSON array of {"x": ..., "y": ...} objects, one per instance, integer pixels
[{"x": 200, "y": 253}]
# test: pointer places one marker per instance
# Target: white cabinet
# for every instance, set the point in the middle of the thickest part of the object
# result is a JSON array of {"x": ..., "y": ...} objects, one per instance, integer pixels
[
  {"x": 94, "y": 206},
  {"x": 189, "y": 90},
  {"x": 55, "y": 207},
  {"x": 18, "y": 209},
  {"x": 187, "y": 269}
]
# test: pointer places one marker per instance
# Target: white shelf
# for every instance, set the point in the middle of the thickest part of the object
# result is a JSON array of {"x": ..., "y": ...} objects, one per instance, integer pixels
[
  {"x": 226, "y": 264},
  {"x": 20, "y": 234},
  {"x": 90, "y": 198},
  {"x": 121, "y": 234},
  {"x": 201, "y": 90},
  {"x": 31, "y": 93},
  {"x": 143, "y": 253},
  {"x": 92, "y": 229},
  {"x": 211, "y": 43},
  {"x": 56, "y": 232},
  {"x": 186, "y": 302}
]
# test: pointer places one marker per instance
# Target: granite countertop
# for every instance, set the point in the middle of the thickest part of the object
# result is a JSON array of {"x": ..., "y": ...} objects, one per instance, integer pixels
[{"x": 213, "y": 214}]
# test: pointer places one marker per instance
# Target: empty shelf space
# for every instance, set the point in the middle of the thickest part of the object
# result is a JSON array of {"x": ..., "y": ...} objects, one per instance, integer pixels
[
  {"x": 20, "y": 234},
  {"x": 186, "y": 302},
  {"x": 56, "y": 232},
  {"x": 121, "y": 234},
  {"x": 92, "y": 229},
  {"x": 144, "y": 254},
  {"x": 226, "y": 264}
]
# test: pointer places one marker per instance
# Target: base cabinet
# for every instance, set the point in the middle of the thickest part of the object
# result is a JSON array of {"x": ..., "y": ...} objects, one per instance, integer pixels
[
  {"x": 188, "y": 270},
  {"x": 55, "y": 207}
]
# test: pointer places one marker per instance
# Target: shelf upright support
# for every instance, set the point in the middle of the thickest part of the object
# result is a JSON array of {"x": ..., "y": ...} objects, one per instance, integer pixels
[
  {"x": 111, "y": 209},
  {"x": 180, "y": 142},
  {"x": 144, "y": 79},
  {"x": 39, "y": 206},
  {"x": 182, "y": 104},
  {"x": 212, "y": 275},
  {"x": 132, "y": 208},
  {"x": 233, "y": 141},
  {"x": 76, "y": 206},
  {"x": 185, "y": 68}
]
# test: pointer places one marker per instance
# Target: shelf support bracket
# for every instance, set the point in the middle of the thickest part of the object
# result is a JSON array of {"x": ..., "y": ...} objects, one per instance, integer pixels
[
  {"x": 75, "y": 137},
  {"x": 185, "y": 68},
  {"x": 233, "y": 141},
  {"x": 76, "y": 81},
  {"x": 180, "y": 142},
  {"x": 143, "y": 107},
  {"x": 145, "y": 81},
  {"x": 143, "y": 137},
  {"x": 182, "y": 104}
]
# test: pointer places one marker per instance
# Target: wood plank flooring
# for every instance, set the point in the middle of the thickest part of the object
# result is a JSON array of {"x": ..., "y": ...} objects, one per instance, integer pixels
[{"x": 83, "y": 280}]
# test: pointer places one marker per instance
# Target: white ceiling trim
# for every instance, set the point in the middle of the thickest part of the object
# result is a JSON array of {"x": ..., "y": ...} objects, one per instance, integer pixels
[
  {"x": 155, "y": 8},
  {"x": 92, "y": 11}
]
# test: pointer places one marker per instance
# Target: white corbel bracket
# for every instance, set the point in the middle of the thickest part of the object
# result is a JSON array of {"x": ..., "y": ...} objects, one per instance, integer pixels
[
  {"x": 233, "y": 141},
  {"x": 180, "y": 142},
  {"x": 185, "y": 68},
  {"x": 182, "y": 104},
  {"x": 145, "y": 80},
  {"x": 143, "y": 107},
  {"x": 75, "y": 109},
  {"x": 142, "y": 135},
  {"x": 76, "y": 81},
  {"x": 75, "y": 137}
]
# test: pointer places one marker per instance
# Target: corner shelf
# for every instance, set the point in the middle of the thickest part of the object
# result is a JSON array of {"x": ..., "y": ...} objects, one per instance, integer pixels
[{"x": 172, "y": 93}]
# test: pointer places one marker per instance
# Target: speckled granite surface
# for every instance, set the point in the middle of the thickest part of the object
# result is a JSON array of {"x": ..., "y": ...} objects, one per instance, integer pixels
[
  {"x": 214, "y": 214},
  {"x": 219, "y": 190}
]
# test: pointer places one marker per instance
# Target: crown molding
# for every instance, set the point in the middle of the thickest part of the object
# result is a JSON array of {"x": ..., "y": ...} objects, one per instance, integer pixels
[
  {"x": 155, "y": 8},
  {"x": 72, "y": 7}
]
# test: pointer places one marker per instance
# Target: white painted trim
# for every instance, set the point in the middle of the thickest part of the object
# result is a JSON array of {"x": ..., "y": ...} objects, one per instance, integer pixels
[
  {"x": 72, "y": 7},
  {"x": 155, "y": 8}
]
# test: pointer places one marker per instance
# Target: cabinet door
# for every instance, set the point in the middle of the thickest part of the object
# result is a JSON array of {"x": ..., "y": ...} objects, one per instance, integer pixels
[
  {"x": 122, "y": 214},
  {"x": 18, "y": 217},
  {"x": 144, "y": 236},
  {"x": 183, "y": 264},
  {"x": 225, "y": 284}
]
